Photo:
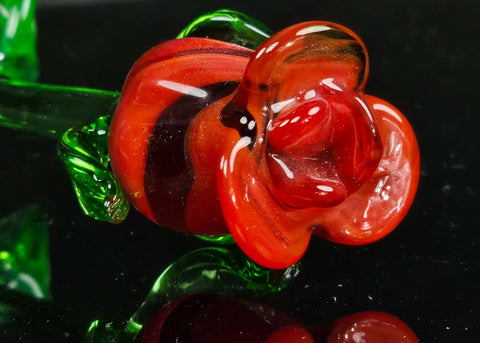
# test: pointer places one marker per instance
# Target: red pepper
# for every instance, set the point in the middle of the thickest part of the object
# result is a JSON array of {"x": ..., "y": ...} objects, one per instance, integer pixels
[{"x": 269, "y": 145}]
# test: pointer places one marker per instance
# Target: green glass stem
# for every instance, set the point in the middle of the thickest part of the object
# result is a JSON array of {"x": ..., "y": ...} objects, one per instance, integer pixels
[
  {"x": 51, "y": 110},
  {"x": 79, "y": 119}
]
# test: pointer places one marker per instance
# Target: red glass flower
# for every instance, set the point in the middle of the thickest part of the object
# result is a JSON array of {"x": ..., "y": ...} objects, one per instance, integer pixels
[{"x": 269, "y": 145}]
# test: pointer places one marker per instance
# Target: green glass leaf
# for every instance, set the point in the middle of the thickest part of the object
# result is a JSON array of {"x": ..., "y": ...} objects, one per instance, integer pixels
[
  {"x": 18, "y": 37},
  {"x": 229, "y": 26},
  {"x": 84, "y": 151},
  {"x": 24, "y": 257},
  {"x": 215, "y": 270}
]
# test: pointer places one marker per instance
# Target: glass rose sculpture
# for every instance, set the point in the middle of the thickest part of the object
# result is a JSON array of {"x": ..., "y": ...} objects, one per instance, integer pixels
[
  {"x": 231, "y": 130},
  {"x": 270, "y": 145}
]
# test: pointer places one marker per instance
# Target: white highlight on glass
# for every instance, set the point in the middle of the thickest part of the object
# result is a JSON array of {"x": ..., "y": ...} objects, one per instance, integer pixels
[
  {"x": 381, "y": 107},
  {"x": 313, "y": 29},
  {"x": 242, "y": 143},
  {"x": 313, "y": 110},
  {"x": 329, "y": 82},
  {"x": 271, "y": 47},
  {"x": 325, "y": 188},
  {"x": 282, "y": 164},
  {"x": 310, "y": 94},
  {"x": 182, "y": 88},
  {"x": 277, "y": 107}
]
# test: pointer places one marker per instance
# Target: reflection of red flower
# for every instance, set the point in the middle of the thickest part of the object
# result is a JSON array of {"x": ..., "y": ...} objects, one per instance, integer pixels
[
  {"x": 271, "y": 145},
  {"x": 214, "y": 318},
  {"x": 365, "y": 327}
]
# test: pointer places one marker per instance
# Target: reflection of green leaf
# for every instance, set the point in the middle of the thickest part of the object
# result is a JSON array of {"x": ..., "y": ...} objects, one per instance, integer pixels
[
  {"x": 18, "y": 37},
  {"x": 7, "y": 312},
  {"x": 216, "y": 270},
  {"x": 217, "y": 239},
  {"x": 84, "y": 151},
  {"x": 107, "y": 332},
  {"x": 24, "y": 257}
]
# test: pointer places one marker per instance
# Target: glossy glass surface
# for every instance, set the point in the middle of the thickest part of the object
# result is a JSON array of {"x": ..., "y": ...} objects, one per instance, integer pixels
[
  {"x": 228, "y": 26},
  {"x": 18, "y": 38},
  {"x": 160, "y": 182},
  {"x": 306, "y": 81},
  {"x": 365, "y": 327},
  {"x": 214, "y": 318},
  {"x": 84, "y": 151},
  {"x": 425, "y": 272},
  {"x": 150, "y": 127},
  {"x": 50, "y": 110},
  {"x": 24, "y": 254},
  {"x": 213, "y": 270},
  {"x": 271, "y": 145}
]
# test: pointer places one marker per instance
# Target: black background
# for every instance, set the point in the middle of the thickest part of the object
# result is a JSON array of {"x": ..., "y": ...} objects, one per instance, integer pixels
[{"x": 424, "y": 58}]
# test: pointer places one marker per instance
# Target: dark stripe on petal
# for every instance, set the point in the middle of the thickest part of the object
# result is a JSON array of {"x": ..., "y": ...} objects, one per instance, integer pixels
[{"x": 168, "y": 177}]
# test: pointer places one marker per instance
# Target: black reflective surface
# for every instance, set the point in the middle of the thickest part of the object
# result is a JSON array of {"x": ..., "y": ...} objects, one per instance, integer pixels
[{"x": 424, "y": 59}]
